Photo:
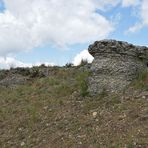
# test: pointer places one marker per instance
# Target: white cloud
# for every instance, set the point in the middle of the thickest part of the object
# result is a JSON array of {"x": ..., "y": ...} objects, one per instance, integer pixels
[
  {"x": 26, "y": 24},
  {"x": 134, "y": 28},
  {"x": 107, "y": 4},
  {"x": 127, "y": 3},
  {"x": 83, "y": 55},
  {"x": 8, "y": 62},
  {"x": 144, "y": 12},
  {"x": 143, "y": 20}
]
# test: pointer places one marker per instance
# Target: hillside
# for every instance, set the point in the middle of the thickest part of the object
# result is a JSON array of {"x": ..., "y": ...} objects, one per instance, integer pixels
[{"x": 56, "y": 111}]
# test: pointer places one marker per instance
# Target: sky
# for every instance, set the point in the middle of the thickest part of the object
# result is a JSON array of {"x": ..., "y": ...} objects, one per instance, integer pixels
[{"x": 56, "y": 32}]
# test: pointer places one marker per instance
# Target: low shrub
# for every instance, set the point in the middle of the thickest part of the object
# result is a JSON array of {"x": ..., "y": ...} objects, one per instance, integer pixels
[
  {"x": 142, "y": 80},
  {"x": 82, "y": 83}
]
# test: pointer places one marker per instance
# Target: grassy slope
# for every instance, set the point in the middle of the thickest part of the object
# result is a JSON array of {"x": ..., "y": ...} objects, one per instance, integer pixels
[{"x": 57, "y": 112}]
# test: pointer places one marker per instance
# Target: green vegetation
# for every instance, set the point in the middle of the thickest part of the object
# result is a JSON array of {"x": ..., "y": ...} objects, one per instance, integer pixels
[
  {"x": 82, "y": 83},
  {"x": 142, "y": 81},
  {"x": 69, "y": 65},
  {"x": 57, "y": 111},
  {"x": 83, "y": 62},
  {"x": 130, "y": 146}
]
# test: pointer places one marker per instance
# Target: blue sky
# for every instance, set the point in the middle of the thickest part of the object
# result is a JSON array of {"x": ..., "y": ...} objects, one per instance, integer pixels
[
  {"x": 52, "y": 32},
  {"x": 1, "y": 5}
]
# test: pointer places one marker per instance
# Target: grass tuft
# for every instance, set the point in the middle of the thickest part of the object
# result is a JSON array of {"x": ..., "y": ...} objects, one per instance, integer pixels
[
  {"x": 142, "y": 81},
  {"x": 82, "y": 83}
]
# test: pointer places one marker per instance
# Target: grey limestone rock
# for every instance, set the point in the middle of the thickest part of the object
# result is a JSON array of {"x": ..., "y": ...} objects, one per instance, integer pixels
[
  {"x": 13, "y": 80},
  {"x": 115, "y": 65}
]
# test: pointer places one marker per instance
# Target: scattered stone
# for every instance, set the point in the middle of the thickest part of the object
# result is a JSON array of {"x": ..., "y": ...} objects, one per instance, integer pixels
[
  {"x": 47, "y": 124},
  {"x": 20, "y": 129},
  {"x": 80, "y": 142},
  {"x": 22, "y": 143},
  {"x": 97, "y": 120},
  {"x": 45, "y": 107},
  {"x": 95, "y": 114},
  {"x": 143, "y": 97},
  {"x": 121, "y": 117},
  {"x": 44, "y": 140}
]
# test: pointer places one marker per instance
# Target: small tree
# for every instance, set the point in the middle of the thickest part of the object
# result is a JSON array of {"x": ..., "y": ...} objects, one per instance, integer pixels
[
  {"x": 68, "y": 65},
  {"x": 83, "y": 62}
]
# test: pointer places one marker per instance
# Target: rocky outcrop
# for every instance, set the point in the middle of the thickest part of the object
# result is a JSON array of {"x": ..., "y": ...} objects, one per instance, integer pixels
[
  {"x": 13, "y": 80},
  {"x": 115, "y": 65},
  {"x": 20, "y": 76}
]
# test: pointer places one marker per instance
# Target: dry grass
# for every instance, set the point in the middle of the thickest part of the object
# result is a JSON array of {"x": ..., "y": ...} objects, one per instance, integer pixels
[{"x": 53, "y": 112}]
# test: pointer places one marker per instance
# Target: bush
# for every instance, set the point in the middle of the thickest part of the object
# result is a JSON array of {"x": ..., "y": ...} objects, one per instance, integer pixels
[
  {"x": 142, "y": 80},
  {"x": 42, "y": 66},
  {"x": 83, "y": 62},
  {"x": 34, "y": 73},
  {"x": 82, "y": 83},
  {"x": 68, "y": 65}
]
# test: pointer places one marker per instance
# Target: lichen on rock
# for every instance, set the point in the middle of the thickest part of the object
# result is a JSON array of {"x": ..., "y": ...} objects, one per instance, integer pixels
[{"x": 115, "y": 65}]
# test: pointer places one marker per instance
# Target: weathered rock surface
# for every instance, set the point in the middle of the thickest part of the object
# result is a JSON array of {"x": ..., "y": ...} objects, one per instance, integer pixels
[
  {"x": 20, "y": 76},
  {"x": 115, "y": 65},
  {"x": 13, "y": 80}
]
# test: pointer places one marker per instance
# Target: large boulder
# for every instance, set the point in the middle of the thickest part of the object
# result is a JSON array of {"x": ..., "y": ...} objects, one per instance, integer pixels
[{"x": 115, "y": 65}]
